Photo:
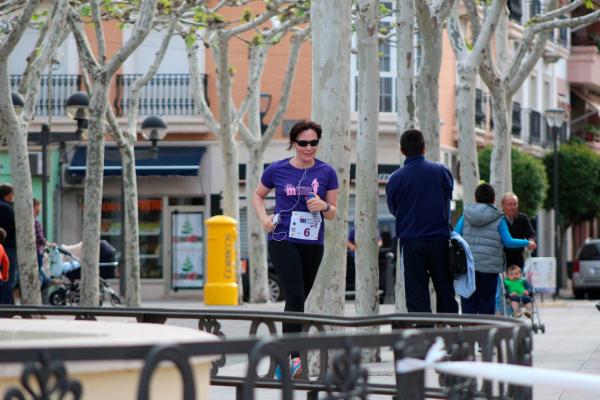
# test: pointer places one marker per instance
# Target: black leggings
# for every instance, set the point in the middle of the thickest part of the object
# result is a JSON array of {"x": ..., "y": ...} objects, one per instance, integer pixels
[{"x": 296, "y": 265}]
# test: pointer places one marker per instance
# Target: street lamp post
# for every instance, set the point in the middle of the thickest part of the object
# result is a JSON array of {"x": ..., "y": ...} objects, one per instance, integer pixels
[
  {"x": 154, "y": 129},
  {"x": 77, "y": 107},
  {"x": 555, "y": 118},
  {"x": 265, "y": 104}
]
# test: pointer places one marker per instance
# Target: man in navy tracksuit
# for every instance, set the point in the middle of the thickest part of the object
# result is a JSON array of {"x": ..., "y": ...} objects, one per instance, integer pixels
[{"x": 418, "y": 195}]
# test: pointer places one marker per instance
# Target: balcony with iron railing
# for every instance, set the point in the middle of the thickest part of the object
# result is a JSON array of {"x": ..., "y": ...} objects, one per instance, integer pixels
[
  {"x": 54, "y": 91},
  {"x": 584, "y": 58},
  {"x": 165, "y": 94}
]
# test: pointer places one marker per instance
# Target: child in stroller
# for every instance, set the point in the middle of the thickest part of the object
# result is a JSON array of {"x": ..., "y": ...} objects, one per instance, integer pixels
[
  {"x": 518, "y": 292},
  {"x": 68, "y": 268}
]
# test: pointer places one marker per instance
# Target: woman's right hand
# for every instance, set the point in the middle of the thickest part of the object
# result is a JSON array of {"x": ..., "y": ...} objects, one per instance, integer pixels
[{"x": 267, "y": 223}]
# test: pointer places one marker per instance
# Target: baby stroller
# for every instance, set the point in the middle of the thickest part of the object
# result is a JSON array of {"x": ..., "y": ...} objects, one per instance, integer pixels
[
  {"x": 536, "y": 321},
  {"x": 68, "y": 290}
]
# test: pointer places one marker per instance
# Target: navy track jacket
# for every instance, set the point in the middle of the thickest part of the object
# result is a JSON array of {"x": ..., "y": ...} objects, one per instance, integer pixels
[{"x": 418, "y": 195}]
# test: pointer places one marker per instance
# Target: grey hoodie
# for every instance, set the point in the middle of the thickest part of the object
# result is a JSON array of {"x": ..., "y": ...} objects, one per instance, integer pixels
[{"x": 480, "y": 230}]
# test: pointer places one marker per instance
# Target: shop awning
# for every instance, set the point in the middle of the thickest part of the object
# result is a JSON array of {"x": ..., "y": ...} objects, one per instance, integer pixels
[
  {"x": 592, "y": 100},
  {"x": 166, "y": 160}
]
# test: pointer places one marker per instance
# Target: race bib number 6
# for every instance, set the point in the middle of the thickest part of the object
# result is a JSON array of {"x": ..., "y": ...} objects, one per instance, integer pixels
[{"x": 305, "y": 225}]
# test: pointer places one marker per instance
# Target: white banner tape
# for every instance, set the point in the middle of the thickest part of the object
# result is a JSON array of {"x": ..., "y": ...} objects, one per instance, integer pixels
[{"x": 515, "y": 374}]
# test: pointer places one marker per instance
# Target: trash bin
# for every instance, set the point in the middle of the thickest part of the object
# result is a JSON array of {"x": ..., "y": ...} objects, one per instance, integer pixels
[{"x": 221, "y": 286}]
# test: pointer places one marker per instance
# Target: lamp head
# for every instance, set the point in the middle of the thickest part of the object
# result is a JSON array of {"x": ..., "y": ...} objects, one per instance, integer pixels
[
  {"x": 154, "y": 129},
  {"x": 18, "y": 102},
  {"x": 78, "y": 106},
  {"x": 555, "y": 117}
]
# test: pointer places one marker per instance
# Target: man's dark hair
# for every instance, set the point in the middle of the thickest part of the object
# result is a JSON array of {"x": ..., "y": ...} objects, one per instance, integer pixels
[
  {"x": 412, "y": 143},
  {"x": 36, "y": 202},
  {"x": 2, "y": 235},
  {"x": 302, "y": 126},
  {"x": 485, "y": 193},
  {"x": 5, "y": 190}
]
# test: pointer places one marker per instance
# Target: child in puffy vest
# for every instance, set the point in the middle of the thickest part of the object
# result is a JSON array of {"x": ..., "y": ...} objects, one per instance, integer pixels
[
  {"x": 4, "y": 262},
  {"x": 518, "y": 291},
  {"x": 485, "y": 229}
]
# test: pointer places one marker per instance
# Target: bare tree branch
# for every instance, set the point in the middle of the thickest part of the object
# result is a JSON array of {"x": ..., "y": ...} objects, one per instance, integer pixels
[
  {"x": 198, "y": 89},
  {"x": 140, "y": 31},
  {"x": 55, "y": 36},
  {"x": 99, "y": 28},
  {"x": 297, "y": 39},
  {"x": 271, "y": 12},
  {"x": 86, "y": 56},
  {"x": 522, "y": 64},
  {"x": 19, "y": 26},
  {"x": 138, "y": 84}
]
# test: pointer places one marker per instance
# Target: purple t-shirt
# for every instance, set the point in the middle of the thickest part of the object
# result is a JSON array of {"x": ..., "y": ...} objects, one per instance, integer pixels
[{"x": 292, "y": 187}]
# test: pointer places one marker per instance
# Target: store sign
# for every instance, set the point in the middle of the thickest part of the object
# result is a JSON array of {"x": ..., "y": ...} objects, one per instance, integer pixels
[{"x": 187, "y": 244}]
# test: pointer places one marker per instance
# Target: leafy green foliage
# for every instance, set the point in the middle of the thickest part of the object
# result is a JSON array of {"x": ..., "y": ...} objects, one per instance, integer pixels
[
  {"x": 85, "y": 10},
  {"x": 578, "y": 183},
  {"x": 530, "y": 182},
  {"x": 190, "y": 40},
  {"x": 247, "y": 15},
  {"x": 589, "y": 4}
]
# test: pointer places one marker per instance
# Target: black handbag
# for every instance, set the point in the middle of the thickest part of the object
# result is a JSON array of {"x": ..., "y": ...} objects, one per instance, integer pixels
[{"x": 457, "y": 258}]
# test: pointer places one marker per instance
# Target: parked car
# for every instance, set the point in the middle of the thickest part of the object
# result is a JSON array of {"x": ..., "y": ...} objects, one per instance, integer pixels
[
  {"x": 585, "y": 269},
  {"x": 387, "y": 254}
]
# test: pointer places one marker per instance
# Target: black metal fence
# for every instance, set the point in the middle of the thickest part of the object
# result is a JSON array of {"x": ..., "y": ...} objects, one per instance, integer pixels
[
  {"x": 165, "y": 94},
  {"x": 341, "y": 375},
  {"x": 61, "y": 87}
]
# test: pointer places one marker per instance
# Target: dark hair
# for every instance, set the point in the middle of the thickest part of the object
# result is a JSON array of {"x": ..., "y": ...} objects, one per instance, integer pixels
[
  {"x": 5, "y": 190},
  {"x": 36, "y": 202},
  {"x": 485, "y": 193},
  {"x": 512, "y": 268},
  {"x": 2, "y": 235},
  {"x": 412, "y": 143},
  {"x": 302, "y": 126}
]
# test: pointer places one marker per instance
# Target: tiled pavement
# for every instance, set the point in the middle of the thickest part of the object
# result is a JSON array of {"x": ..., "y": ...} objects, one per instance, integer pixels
[{"x": 571, "y": 342}]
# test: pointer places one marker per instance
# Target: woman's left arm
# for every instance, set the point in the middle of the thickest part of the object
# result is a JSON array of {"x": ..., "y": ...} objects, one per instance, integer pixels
[{"x": 331, "y": 202}]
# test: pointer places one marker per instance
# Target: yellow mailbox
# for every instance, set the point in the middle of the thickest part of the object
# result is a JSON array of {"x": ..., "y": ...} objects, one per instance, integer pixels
[{"x": 221, "y": 286}]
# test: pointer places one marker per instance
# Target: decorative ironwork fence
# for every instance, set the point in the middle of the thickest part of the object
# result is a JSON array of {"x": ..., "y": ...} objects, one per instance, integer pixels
[
  {"x": 61, "y": 87},
  {"x": 165, "y": 94},
  {"x": 341, "y": 375}
]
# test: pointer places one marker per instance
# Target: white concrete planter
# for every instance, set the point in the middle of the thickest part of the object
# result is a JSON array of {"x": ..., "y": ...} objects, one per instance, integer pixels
[{"x": 107, "y": 379}]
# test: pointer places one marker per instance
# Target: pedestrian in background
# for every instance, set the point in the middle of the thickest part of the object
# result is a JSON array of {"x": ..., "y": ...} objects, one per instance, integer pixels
[
  {"x": 419, "y": 195},
  {"x": 4, "y": 262},
  {"x": 485, "y": 229},
  {"x": 40, "y": 245},
  {"x": 7, "y": 222},
  {"x": 305, "y": 193},
  {"x": 519, "y": 227},
  {"x": 351, "y": 255}
]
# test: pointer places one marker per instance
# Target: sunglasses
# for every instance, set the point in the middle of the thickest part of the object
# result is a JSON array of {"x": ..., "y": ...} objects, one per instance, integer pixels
[{"x": 304, "y": 143}]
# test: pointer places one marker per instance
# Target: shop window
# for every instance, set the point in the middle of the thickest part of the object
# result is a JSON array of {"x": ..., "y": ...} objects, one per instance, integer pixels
[{"x": 150, "y": 232}]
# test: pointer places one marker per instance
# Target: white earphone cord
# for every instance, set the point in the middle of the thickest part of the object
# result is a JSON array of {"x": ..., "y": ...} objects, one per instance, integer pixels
[{"x": 273, "y": 233}]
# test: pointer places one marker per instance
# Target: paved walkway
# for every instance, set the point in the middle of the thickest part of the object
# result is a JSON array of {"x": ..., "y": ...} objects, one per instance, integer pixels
[{"x": 571, "y": 342}]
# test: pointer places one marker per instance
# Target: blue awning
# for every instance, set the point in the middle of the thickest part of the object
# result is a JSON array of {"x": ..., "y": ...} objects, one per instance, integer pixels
[{"x": 165, "y": 160}]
